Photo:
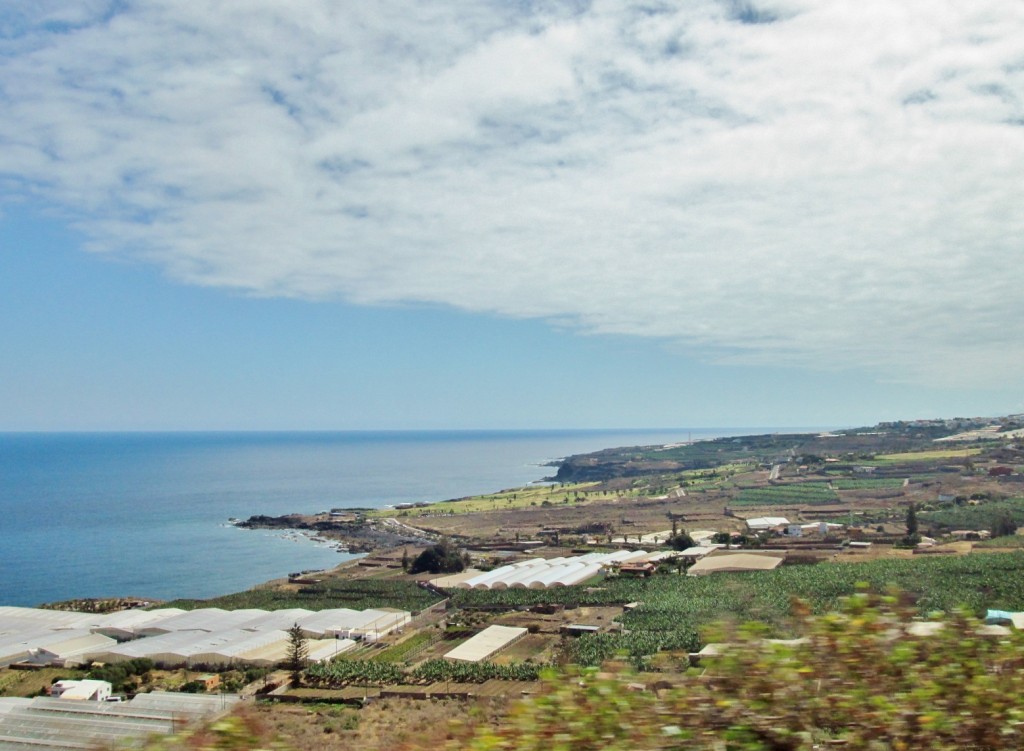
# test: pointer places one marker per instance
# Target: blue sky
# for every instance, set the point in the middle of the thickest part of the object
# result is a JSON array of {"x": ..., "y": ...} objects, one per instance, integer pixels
[{"x": 385, "y": 215}]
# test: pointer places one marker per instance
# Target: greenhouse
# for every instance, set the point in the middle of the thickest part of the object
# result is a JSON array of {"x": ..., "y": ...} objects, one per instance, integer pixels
[
  {"x": 201, "y": 619},
  {"x": 353, "y": 624},
  {"x": 10, "y": 614},
  {"x": 206, "y": 636},
  {"x": 237, "y": 646},
  {"x": 128, "y": 624},
  {"x": 538, "y": 573},
  {"x": 276, "y": 619},
  {"x": 723, "y": 561},
  {"x": 64, "y": 724},
  {"x": 66, "y": 648},
  {"x": 42, "y": 646},
  {"x": 486, "y": 643}
]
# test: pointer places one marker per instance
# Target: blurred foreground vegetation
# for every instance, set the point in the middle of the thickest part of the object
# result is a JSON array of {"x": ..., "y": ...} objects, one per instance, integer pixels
[
  {"x": 673, "y": 609},
  {"x": 862, "y": 677},
  {"x": 857, "y": 680}
]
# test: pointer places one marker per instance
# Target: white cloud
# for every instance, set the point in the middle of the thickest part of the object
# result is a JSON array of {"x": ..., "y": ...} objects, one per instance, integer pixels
[{"x": 807, "y": 183}]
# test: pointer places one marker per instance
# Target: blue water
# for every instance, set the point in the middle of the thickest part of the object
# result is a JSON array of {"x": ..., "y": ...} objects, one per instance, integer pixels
[{"x": 144, "y": 514}]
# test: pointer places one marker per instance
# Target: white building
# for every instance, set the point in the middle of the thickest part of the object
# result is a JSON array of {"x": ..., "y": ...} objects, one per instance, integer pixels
[
  {"x": 762, "y": 523},
  {"x": 81, "y": 690}
]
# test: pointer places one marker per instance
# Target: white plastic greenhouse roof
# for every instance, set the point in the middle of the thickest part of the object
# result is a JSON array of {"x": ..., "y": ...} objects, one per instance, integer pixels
[
  {"x": 766, "y": 522},
  {"x": 345, "y": 622},
  {"x": 173, "y": 636},
  {"x": 41, "y": 616},
  {"x": 538, "y": 573},
  {"x": 336, "y": 620},
  {"x": 325, "y": 649},
  {"x": 65, "y": 643},
  {"x": 734, "y": 562},
  {"x": 558, "y": 574},
  {"x": 72, "y": 644},
  {"x": 486, "y": 643},
  {"x": 276, "y": 619},
  {"x": 229, "y": 646},
  {"x": 204, "y": 619},
  {"x": 197, "y": 646},
  {"x": 59, "y": 724},
  {"x": 126, "y": 623}
]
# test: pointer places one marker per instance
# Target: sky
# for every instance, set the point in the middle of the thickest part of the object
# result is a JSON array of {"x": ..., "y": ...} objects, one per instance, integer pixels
[{"x": 397, "y": 215}]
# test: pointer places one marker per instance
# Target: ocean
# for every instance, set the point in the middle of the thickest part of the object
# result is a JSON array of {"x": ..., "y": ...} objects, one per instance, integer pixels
[{"x": 146, "y": 514}]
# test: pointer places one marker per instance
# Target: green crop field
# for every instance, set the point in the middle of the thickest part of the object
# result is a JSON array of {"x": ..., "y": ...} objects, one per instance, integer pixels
[
  {"x": 404, "y": 650},
  {"x": 534, "y": 495},
  {"x": 983, "y": 516},
  {"x": 358, "y": 594},
  {"x": 927, "y": 456},
  {"x": 341, "y": 672},
  {"x": 674, "y": 609},
  {"x": 874, "y": 483},
  {"x": 786, "y": 495}
]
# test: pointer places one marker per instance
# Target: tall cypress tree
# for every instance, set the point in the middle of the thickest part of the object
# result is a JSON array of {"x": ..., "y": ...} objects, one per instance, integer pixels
[{"x": 298, "y": 653}]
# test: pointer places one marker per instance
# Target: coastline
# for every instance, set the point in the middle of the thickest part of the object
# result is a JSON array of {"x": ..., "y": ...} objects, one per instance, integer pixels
[{"x": 352, "y": 531}]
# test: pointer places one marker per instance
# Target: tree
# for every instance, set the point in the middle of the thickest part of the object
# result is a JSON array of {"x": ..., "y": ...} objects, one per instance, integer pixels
[
  {"x": 443, "y": 558},
  {"x": 681, "y": 541},
  {"x": 298, "y": 653},
  {"x": 912, "y": 537},
  {"x": 912, "y": 520},
  {"x": 1004, "y": 526}
]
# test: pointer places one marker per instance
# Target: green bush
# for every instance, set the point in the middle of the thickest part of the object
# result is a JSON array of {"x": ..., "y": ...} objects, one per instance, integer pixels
[
  {"x": 443, "y": 558},
  {"x": 859, "y": 680}
]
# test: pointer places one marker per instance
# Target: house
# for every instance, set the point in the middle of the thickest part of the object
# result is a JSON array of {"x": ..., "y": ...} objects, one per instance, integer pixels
[
  {"x": 85, "y": 690},
  {"x": 821, "y": 528},
  {"x": 970, "y": 534},
  {"x": 637, "y": 569},
  {"x": 762, "y": 523},
  {"x": 210, "y": 681}
]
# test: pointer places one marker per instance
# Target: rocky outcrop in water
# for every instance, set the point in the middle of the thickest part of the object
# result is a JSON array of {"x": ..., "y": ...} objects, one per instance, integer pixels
[{"x": 357, "y": 534}]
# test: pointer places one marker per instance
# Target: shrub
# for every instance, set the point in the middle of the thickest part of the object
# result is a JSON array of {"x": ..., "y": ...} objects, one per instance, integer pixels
[
  {"x": 442, "y": 558},
  {"x": 860, "y": 679}
]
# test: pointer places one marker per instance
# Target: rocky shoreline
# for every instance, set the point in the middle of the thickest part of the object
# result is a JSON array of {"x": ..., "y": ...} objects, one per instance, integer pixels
[{"x": 356, "y": 534}]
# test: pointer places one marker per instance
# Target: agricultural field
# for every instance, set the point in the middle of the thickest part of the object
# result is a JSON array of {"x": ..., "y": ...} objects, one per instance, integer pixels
[
  {"x": 675, "y": 609},
  {"x": 1007, "y": 542},
  {"x": 407, "y": 648},
  {"x": 873, "y": 483},
  {"x": 982, "y": 516},
  {"x": 534, "y": 647},
  {"x": 926, "y": 456},
  {"x": 342, "y": 672},
  {"x": 333, "y": 592},
  {"x": 534, "y": 495},
  {"x": 794, "y": 494}
]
